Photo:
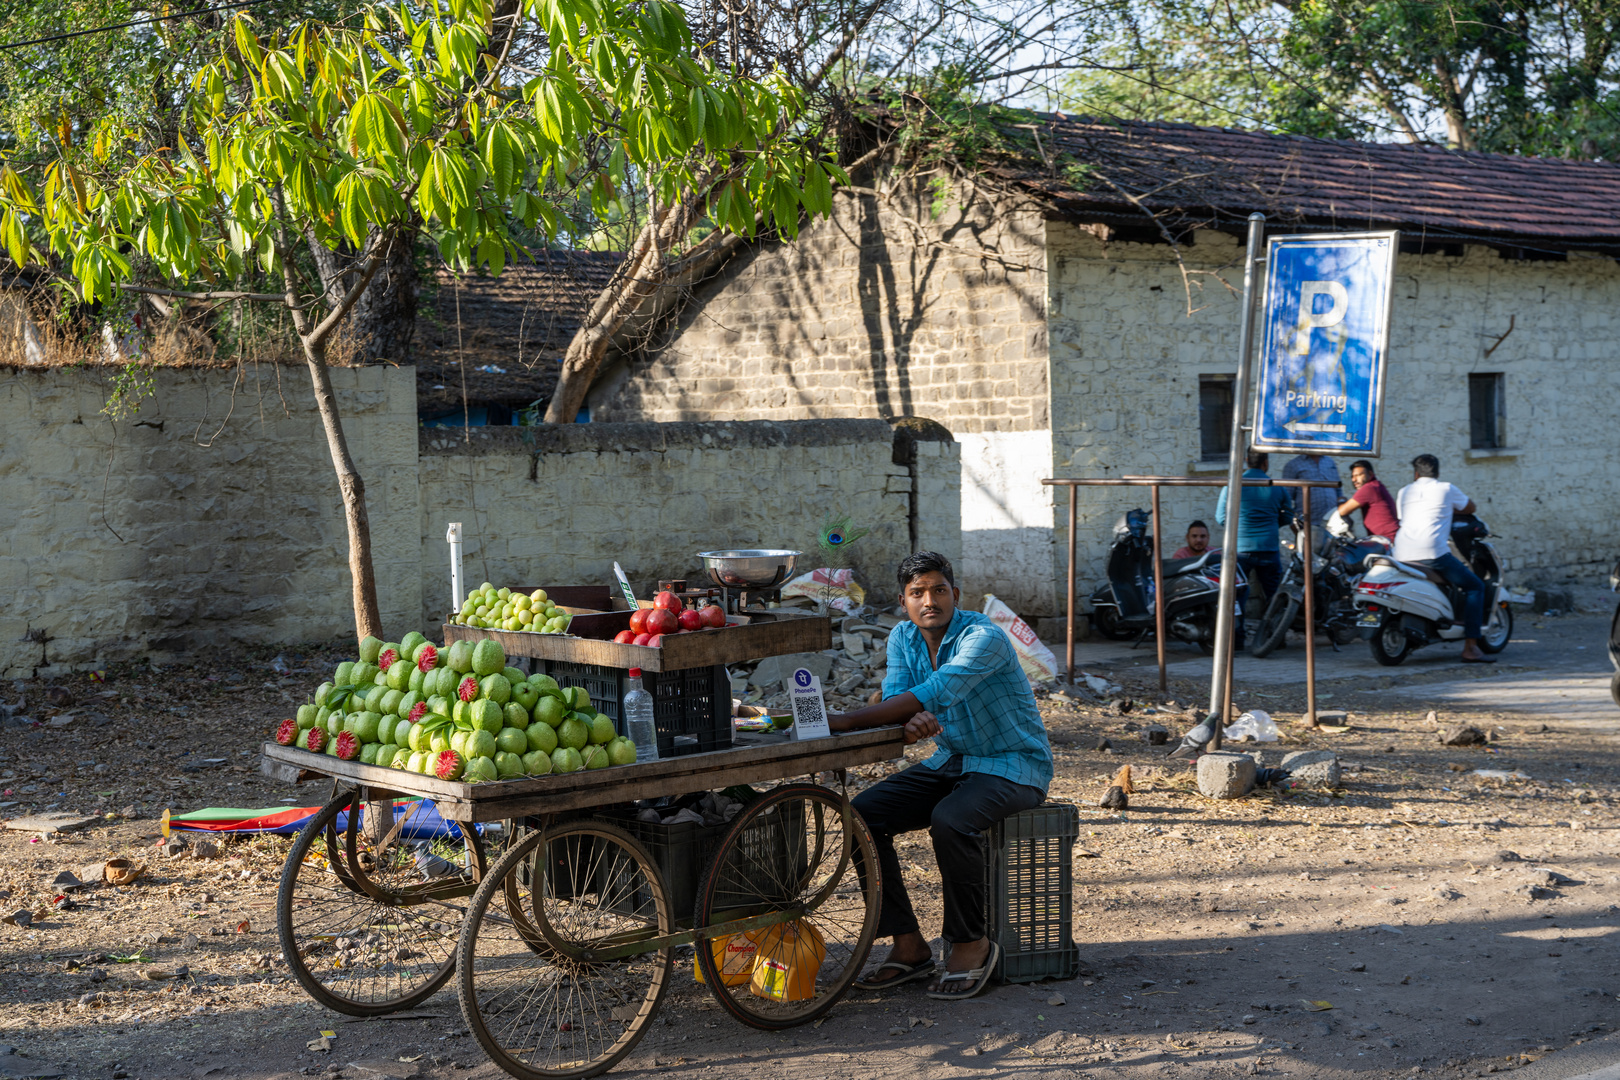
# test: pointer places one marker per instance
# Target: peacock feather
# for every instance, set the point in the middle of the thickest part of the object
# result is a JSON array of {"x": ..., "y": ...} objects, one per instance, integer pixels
[{"x": 837, "y": 533}]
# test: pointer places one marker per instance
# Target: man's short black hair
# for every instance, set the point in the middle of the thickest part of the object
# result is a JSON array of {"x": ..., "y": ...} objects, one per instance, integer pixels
[
  {"x": 1259, "y": 459},
  {"x": 1354, "y": 465},
  {"x": 1427, "y": 465},
  {"x": 925, "y": 562},
  {"x": 1196, "y": 524}
]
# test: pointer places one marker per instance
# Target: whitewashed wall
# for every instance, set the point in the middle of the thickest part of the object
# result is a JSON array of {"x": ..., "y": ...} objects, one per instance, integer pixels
[{"x": 1126, "y": 357}]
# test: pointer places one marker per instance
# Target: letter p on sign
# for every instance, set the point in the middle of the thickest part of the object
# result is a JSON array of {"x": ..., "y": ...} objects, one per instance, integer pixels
[{"x": 1310, "y": 319}]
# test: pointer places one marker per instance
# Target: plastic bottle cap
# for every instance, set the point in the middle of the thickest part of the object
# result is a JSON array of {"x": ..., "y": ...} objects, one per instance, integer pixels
[{"x": 635, "y": 673}]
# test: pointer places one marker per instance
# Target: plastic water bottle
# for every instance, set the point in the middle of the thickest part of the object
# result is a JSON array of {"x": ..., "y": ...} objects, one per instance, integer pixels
[{"x": 638, "y": 719}]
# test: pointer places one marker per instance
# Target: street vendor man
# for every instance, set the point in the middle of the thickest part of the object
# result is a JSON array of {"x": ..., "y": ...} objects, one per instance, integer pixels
[{"x": 953, "y": 676}]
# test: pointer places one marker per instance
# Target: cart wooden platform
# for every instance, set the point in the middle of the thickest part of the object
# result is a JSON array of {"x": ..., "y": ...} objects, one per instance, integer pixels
[{"x": 562, "y": 932}]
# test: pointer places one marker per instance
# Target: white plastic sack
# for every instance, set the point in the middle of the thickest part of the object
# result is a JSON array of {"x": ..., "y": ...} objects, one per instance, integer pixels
[
  {"x": 1033, "y": 656},
  {"x": 1256, "y": 725},
  {"x": 837, "y": 589}
]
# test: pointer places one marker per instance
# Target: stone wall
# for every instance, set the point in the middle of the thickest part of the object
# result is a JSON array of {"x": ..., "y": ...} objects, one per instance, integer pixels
[
  {"x": 880, "y": 310},
  {"x": 1126, "y": 359},
  {"x": 212, "y": 514},
  {"x": 890, "y": 307},
  {"x": 557, "y": 506}
]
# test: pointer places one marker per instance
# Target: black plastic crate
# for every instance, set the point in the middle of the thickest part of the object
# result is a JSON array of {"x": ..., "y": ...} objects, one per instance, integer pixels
[
  {"x": 695, "y": 702},
  {"x": 773, "y": 850},
  {"x": 1029, "y": 893},
  {"x": 682, "y": 852},
  {"x": 772, "y": 860}
]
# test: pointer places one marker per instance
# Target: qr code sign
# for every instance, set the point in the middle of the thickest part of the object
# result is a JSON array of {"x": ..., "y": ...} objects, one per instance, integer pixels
[{"x": 809, "y": 713}]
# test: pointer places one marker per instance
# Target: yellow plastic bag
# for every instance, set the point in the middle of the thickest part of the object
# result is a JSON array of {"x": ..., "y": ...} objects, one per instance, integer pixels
[
  {"x": 790, "y": 958},
  {"x": 734, "y": 955}
]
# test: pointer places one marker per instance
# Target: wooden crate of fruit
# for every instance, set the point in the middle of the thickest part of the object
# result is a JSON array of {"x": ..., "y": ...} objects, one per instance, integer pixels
[{"x": 589, "y": 640}]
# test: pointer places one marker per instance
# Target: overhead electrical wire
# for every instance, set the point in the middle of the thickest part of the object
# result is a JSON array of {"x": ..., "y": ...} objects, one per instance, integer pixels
[{"x": 7, "y": 46}]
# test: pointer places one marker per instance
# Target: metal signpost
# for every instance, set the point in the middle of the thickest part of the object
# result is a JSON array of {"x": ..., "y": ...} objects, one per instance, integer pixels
[
  {"x": 1323, "y": 343},
  {"x": 1220, "y": 683}
]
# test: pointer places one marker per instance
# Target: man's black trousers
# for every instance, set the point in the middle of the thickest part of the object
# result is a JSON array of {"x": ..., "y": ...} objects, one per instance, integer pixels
[{"x": 955, "y": 807}]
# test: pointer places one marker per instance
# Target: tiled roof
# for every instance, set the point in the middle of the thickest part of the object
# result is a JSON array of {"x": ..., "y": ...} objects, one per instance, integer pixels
[
  {"x": 1192, "y": 175},
  {"x": 542, "y": 303}
]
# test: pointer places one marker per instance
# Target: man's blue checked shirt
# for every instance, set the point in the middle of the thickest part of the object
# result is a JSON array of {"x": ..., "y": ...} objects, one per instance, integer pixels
[{"x": 980, "y": 695}]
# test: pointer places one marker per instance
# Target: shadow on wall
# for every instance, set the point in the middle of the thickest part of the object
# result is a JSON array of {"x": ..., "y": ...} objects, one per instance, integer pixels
[
  {"x": 886, "y": 309},
  {"x": 887, "y": 332}
]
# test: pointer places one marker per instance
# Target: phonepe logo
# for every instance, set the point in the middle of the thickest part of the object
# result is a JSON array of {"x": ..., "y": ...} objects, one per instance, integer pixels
[{"x": 802, "y": 677}]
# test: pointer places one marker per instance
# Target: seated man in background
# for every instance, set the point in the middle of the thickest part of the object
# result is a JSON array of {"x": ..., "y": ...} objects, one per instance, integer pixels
[
  {"x": 1197, "y": 542},
  {"x": 1426, "y": 507},
  {"x": 1374, "y": 501},
  {"x": 954, "y": 677}
]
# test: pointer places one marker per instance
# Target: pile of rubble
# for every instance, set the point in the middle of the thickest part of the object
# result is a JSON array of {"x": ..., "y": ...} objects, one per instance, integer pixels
[{"x": 850, "y": 672}]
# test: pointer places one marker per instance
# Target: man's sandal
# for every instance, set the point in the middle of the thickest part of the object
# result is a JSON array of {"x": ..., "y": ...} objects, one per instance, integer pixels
[
  {"x": 973, "y": 983},
  {"x": 907, "y": 973}
]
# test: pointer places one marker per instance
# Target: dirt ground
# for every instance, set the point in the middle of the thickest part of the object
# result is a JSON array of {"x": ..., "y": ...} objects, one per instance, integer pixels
[{"x": 1385, "y": 927}]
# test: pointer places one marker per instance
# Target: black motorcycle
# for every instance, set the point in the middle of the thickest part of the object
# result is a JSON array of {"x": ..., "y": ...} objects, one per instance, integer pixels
[
  {"x": 1614, "y": 637},
  {"x": 1335, "y": 569},
  {"x": 1122, "y": 608}
]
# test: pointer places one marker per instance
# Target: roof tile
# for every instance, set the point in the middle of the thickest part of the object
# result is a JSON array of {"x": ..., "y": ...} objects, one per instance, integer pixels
[{"x": 1186, "y": 172}]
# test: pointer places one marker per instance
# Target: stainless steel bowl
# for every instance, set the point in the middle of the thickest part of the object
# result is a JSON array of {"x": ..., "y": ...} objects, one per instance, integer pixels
[{"x": 749, "y": 568}]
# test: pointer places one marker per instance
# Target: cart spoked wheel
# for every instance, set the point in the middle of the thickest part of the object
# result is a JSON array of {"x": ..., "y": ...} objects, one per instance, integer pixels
[
  {"x": 371, "y": 903},
  {"x": 565, "y": 953},
  {"x": 800, "y": 862}
]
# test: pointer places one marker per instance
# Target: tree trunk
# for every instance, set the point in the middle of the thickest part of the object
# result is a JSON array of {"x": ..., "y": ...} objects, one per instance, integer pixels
[
  {"x": 641, "y": 274},
  {"x": 638, "y": 275},
  {"x": 384, "y": 318},
  {"x": 382, "y": 323},
  {"x": 367, "y": 616}
]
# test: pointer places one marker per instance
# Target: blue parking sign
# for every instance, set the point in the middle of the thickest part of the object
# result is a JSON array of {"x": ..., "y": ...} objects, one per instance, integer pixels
[{"x": 1325, "y": 333}]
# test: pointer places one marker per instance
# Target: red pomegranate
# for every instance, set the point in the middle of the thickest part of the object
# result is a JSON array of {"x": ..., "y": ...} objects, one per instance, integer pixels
[{"x": 662, "y": 621}]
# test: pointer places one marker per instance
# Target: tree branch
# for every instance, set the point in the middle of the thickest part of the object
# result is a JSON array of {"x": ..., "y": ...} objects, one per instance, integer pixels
[
  {"x": 270, "y": 297},
  {"x": 325, "y": 327}
]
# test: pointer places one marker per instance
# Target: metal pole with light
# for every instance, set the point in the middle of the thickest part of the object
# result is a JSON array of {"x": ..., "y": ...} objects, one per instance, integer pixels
[{"x": 1218, "y": 683}]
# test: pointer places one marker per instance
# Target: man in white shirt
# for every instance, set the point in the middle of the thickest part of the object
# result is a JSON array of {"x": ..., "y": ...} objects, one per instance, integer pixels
[{"x": 1425, "y": 508}]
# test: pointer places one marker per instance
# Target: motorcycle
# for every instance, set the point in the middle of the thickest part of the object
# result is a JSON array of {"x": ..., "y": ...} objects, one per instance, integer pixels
[
  {"x": 1405, "y": 607},
  {"x": 1335, "y": 570},
  {"x": 1614, "y": 637},
  {"x": 1122, "y": 607}
]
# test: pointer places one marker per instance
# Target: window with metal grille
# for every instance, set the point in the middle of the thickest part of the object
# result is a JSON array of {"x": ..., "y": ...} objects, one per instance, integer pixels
[
  {"x": 1485, "y": 411},
  {"x": 1214, "y": 416}
]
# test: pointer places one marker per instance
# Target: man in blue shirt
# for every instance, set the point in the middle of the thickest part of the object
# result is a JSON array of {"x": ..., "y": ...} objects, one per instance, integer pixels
[
  {"x": 953, "y": 676},
  {"x": 1264, "y": 510}
]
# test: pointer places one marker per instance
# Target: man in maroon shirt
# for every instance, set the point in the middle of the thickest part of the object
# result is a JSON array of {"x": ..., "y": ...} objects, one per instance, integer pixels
[
  {"x": 1374, "y": 501},
  {"x": 1197, "y": 542}
]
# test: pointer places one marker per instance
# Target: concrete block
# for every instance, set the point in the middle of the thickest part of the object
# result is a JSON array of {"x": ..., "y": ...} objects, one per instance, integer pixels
[
  {"x": 1313, "y": 768},
  {"x": 1225, "y": 775}
]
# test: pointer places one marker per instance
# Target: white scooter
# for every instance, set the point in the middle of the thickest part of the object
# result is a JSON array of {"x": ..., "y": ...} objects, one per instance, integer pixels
[{"x": 1405, "y": 607}]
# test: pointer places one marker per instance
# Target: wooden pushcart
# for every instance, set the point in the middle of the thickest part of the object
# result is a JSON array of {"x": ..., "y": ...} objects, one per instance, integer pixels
[{"x": 559, "y": 926}]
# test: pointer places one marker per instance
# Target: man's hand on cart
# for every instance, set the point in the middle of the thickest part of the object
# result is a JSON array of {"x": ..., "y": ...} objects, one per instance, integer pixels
[
  {"x": 900, "y": 709},
  {"x": 925, "y": 725}
]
